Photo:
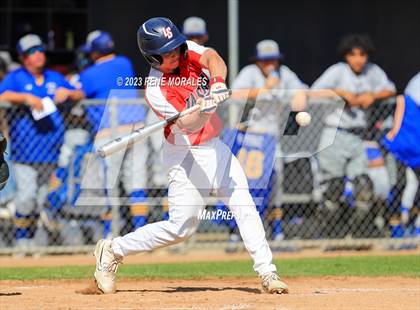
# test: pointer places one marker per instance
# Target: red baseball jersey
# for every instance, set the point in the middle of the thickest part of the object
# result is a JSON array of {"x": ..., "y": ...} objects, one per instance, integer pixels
[{"x": 168, "y": 94}]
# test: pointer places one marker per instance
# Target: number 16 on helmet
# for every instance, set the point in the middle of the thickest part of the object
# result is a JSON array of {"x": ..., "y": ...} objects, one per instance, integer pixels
[{"x": 157, "y": 36}]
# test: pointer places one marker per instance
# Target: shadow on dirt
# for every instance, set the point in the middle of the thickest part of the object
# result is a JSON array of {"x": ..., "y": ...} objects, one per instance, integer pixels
[
  {"x": 196, "y": 289},
  {"x": 10, "y": 294}
]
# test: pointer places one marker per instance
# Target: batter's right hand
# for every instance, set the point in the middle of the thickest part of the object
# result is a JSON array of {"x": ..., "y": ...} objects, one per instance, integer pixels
[{"x": 34, "y": 102}]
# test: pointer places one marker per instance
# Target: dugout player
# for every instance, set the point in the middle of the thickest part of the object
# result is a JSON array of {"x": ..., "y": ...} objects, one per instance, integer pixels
[
  {"x": 195, "y": 159},
  {"x": 35, "y": 143},
  {"x": 194, "y": 29},
  {"x": 107, "y": 78},
  {"x": 402, "y": 140},
  {"x": 269, "y": 78},
  {"x": 360, "y": 83}
]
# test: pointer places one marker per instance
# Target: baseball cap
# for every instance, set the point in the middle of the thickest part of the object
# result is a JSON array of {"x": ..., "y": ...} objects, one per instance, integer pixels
[
  {"x": 27, "y": 42},
  {"x": 99, "y": 41},
  {"x": 268, "y": 50},
  {"x": 194, "y": 26}
]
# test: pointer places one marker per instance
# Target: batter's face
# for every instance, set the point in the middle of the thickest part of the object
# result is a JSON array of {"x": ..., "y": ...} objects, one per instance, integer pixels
[
  {"x": 170, "y": 61},
  {"x": 357, "y": 59}
]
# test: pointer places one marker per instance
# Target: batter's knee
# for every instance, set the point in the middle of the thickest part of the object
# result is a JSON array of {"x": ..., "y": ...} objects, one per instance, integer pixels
[{"x": 183, "y": 229}]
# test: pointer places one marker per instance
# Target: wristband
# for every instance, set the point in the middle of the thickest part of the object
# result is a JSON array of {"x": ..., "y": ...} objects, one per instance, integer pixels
[{"x": 216, "y": 79}]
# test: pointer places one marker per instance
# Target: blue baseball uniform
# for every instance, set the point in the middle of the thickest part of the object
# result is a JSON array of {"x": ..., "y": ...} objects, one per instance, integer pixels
[
  {"x": 255, "y": 151},
  {"x": 402, "y": 142},
  {"x": 35, "y": 145},
  {"x": 35, "y": 141},
  {"x": 405, "y": 143},
  {"x": 99, "y": 81}
]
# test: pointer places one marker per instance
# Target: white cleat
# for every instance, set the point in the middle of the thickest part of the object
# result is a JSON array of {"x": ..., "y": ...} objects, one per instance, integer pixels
[
  {"x": 106, "y": 266},
  {"x": 271, "y": 284}
]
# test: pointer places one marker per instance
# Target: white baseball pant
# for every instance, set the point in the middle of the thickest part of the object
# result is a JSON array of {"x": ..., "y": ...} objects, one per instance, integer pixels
[{"x": 193, "y": 171}]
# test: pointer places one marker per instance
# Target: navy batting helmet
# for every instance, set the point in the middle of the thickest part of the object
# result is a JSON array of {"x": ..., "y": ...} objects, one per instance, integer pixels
[{"x": 157, "y": 36}]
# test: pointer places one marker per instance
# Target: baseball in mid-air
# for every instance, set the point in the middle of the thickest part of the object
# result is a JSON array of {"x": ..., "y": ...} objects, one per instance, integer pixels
[{"x": 303, "y": 118}]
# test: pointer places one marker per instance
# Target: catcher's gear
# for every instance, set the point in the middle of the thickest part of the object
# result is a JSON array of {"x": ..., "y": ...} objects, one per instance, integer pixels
[{"x": 4, "y": 168}]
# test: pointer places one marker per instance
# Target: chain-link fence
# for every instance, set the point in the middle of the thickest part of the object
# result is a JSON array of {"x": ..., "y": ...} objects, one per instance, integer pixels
[{"x": 324, "y": 184}]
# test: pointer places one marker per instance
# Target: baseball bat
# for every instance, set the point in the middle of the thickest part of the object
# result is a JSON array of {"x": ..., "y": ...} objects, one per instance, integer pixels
[{"x": 142, "y": 133}]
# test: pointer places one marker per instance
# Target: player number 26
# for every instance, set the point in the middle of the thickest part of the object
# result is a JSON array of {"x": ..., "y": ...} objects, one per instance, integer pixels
[{"x": 252, "y": 162}]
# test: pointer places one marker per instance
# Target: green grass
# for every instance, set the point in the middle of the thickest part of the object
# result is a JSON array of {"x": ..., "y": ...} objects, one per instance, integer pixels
[{"x": 332, "y": 266}]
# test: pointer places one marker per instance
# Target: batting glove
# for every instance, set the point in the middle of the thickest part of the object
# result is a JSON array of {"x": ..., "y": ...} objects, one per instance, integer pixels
[
  {"x": 207, "y": 105},
  {"x": 218, "y": 90}
]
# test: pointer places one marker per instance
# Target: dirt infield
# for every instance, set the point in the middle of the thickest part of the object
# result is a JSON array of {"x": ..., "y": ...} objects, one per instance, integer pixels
[
  {"x": 164, "y": 256},
  {"x": 361, "y": 293},
  {"x": 305, "y": 293}
]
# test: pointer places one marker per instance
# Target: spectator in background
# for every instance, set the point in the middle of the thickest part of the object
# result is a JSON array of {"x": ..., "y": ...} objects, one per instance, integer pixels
[
  {"x": 360, "y": 83},
  {"x": 194, "y": 29},
  {"x": 64, "y": 187},
  {"x": 403, "y": 142},
  {"x": 270, "y": 79},
  {"x": 107, "y": 79},
  {"x": 81, "y": 62},
  {"x": 35, "y": 139}
]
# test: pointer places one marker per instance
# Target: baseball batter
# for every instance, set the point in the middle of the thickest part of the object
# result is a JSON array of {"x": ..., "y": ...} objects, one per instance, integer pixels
[{"x": 195, "y": 159}]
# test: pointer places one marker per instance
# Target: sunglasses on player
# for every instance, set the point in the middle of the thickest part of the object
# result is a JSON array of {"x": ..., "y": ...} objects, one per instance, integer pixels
[{"x": 34, "y": 49}]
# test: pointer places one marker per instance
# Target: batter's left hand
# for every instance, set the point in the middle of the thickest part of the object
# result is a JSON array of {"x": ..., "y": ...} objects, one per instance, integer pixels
[{"x": 219, "y": 92}]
